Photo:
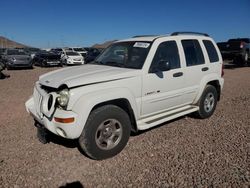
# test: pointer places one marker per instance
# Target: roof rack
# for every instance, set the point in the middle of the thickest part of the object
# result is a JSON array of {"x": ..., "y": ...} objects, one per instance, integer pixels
[
  {"x": 144, "y": 36},
  {"x": 189, "y": 33}
]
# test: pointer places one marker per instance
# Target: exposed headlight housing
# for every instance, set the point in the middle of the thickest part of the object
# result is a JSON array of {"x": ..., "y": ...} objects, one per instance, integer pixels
[{"x": 63, "y": 98}]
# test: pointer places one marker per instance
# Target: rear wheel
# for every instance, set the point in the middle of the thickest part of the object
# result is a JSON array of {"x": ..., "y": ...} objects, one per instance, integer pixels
[
  {"x": 106, "y": 132},
  {"x": 65, "y": 62},
  {"x": 207, "y": 102},
  {"x": 245, "y": 58}
]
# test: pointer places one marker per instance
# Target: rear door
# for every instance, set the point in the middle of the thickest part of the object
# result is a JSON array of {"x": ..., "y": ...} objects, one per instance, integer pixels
[{"x": 196, "y": 68}]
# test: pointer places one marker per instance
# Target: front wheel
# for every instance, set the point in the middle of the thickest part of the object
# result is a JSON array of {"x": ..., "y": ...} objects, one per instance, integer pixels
[
  {"x": 207, "y": 102},
  {"x": 106, "y": 132}
]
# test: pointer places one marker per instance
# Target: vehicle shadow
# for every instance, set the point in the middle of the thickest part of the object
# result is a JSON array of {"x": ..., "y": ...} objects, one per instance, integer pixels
[
  {"x": 3, "y": 75},
  {"x": 74, "y": 143},
  {"x": 234, "y": 64},
  {"x": 68, "y": 143},
  {"x": 75, "y": 184}
]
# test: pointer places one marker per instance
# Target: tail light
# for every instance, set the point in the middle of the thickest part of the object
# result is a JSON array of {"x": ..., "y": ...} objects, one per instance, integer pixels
[
  {"x": 222, "y": 70},
  {"x": 242, "y": 44}
]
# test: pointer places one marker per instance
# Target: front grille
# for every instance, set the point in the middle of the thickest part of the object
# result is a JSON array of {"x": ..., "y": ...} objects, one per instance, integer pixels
[
  {"x": 77, "y": 59},
  {"x": 48, "y": 89},
  {"x": 38, "y": 98},
  {"x": 44, "y": 100}
]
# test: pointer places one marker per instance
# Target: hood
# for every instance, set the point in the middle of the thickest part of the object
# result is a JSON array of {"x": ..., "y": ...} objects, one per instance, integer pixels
[{"x": 85, "y": 75}]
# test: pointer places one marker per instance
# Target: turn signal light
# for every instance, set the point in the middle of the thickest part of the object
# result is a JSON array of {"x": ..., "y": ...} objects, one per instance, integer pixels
[{"x": 64, "y": 120}]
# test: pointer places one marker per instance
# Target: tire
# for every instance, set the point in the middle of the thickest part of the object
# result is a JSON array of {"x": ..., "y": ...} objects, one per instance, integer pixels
[
  {"x": 207, "y": 102},
  {"x": 245, "y": 57},
  {"x": 43, "y": 64},
  {"x": 8, "y": 67},
  {"x": 65, "y": 62},
  {"x": 106, "y": 132}
]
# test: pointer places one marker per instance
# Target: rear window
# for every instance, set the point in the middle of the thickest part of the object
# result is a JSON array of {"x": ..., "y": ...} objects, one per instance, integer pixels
[
  {"x": 211, "y": 51},
  {"x": 193, "y": 52}
]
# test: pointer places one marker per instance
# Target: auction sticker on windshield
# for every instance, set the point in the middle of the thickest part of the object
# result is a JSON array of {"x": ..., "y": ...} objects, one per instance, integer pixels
[{"x": 141, "y": 44}]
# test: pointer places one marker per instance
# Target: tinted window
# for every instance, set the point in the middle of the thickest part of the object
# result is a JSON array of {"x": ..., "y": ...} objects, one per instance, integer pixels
[
  {"x": 211, "y": 51},
  {"x": 193, "y": 52},
  {"x": 167, "y": 51}
]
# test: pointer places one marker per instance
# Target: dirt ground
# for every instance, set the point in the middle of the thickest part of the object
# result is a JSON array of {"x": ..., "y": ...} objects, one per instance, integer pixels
[{"x": 186, "y": 152}]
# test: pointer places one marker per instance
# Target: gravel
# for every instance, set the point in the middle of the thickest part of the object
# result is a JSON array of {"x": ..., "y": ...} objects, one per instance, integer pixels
[{"x": 186, "y": 152}]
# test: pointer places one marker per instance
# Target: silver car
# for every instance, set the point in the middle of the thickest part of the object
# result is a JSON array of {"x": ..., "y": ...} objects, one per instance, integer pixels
[{"x": 15, "y": 58}]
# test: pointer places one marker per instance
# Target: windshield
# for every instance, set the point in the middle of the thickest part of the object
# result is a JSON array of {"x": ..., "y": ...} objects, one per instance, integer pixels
[
  {"x": 15, "y": 52},
  {"x": 125, "y": 54},
  {"x": 72, "y": 53},
  {"x": 57, "y": 50},
  {"x": 78, "y": 49},
  {"x": 33, "y": 50}
]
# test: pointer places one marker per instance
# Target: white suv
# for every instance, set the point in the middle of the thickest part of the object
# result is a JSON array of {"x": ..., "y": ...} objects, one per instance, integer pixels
[{"x": 135, "y": 84}]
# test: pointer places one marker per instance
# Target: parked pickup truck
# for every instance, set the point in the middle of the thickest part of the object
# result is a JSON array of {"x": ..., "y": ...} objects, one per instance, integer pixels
[
  {"x": 236, "y": 50},
  {"x": 135, "y": 84}
]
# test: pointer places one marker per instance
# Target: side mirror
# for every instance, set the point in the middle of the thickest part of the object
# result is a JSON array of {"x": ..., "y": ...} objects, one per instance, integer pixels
[{"x": 163, "y": 65}]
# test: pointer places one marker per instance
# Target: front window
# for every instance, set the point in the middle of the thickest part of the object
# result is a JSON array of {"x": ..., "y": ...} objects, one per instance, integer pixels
[{"x": 125, "y": 54}]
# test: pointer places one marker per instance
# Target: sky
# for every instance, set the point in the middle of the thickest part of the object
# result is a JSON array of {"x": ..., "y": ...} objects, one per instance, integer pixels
[{"x": 54, "y": 23}]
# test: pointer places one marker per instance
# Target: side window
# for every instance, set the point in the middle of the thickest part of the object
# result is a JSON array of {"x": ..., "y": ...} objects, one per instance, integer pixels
[
  {"x": 193, "y": 52},
  {"x": 167, "y": 51},
  {"x": 211, "y": 51}
]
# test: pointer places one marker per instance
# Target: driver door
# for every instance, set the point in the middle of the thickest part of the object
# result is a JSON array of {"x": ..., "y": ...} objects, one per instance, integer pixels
[{"x": 163, "y": 90}]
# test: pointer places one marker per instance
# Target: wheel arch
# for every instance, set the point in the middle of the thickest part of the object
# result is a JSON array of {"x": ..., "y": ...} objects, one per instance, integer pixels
[
  {"x": 121, "y": 98},
  {"x": 124, "y": 104},
  {"x": 213, "y": 80},
  {"x": 216, "y": 84}
]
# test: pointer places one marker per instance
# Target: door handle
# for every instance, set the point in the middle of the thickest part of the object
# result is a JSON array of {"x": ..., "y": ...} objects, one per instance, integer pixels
[
  {"x": 178, "y": 74},
  {"x": 205, "y": 69}
]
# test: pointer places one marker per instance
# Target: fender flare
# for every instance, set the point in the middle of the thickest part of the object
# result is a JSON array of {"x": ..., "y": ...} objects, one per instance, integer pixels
[
  {"x": 204, "y": 82},
  {"x": 85, "y": 104}
]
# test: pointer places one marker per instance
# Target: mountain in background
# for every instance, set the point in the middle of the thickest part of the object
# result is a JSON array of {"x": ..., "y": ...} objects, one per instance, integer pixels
[
  {"x": 104, "y": 45},
  {"x": 7, "y": 43}
]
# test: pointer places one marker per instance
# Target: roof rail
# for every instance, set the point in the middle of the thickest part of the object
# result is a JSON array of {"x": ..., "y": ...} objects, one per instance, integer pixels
[
  {"x": 144, "y": 36},
  {"x": 189, "y": 33}
]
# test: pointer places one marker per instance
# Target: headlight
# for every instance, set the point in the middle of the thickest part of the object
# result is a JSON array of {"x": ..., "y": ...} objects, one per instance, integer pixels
[{"x": 63, "y": 97}]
